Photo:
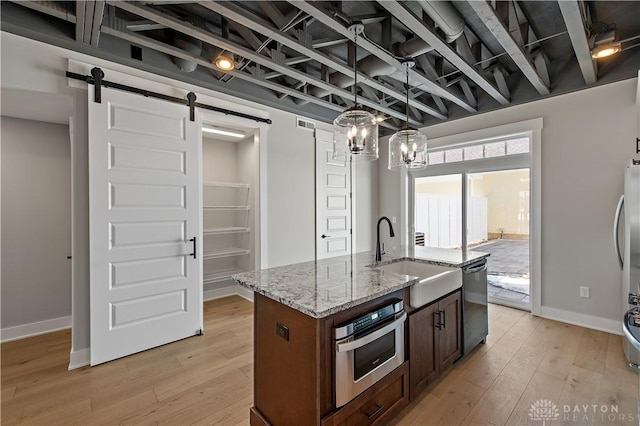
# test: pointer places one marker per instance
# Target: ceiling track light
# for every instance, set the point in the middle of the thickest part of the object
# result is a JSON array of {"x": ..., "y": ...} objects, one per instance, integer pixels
[
  {"x": 225, "y": 61},
  {"x": 355, "y": 131},
  {"x": 408, "y": 146},
  {"x": 605, "y": 42}
]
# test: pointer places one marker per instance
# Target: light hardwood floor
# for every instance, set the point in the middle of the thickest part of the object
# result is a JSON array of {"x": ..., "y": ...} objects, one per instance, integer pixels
[{"x": 208, "y": 379}]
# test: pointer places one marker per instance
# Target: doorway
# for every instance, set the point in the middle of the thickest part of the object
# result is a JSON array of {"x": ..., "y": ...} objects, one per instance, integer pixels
[
  {"x": 36, "y": 227},
  {"x": 498, "y": 224}
]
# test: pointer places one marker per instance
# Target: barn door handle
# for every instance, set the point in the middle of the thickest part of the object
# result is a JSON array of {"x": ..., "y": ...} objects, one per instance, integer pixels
[
  {"x": 325, "y": 236},
  {"x": 194, "y": 247}
]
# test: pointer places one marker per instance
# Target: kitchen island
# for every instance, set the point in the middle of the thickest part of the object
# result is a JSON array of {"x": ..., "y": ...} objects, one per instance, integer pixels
[{"x": 297, "y": 307}]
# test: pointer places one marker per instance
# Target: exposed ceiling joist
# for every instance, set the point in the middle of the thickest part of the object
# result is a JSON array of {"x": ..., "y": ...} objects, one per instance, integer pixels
[
  {"x": 215, "y": 40},
  {"x": 50, "y": 8},
  {"x": 88, "y": 21},
  {"x": 414, "y": 23},
  {"x": 80, "y": 19},
  {"x": 242, "y": 17},
  {"x": 174, "y": 51},
  {"x": 144, "y": 25},
  {"x": 578, "y": 35},
  {"x": 502, "y": 35},
  {"x": 339, "y": 27}
]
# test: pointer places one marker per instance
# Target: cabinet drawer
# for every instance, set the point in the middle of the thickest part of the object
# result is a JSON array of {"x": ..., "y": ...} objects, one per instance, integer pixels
[{"x": 377, "y": 405}]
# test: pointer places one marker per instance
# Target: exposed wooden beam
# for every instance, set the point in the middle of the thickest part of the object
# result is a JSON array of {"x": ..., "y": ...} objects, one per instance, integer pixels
[
  {"x": 574, "y": 21},
  {"x": 405, "y": 15},
  {"x": 214, "y": 39},
  {"x": 49, "y": 8},
  {"x": 327, "y": 19},
  {"x": 521, "y": 58},
  {"x": 243, "y": 17}
]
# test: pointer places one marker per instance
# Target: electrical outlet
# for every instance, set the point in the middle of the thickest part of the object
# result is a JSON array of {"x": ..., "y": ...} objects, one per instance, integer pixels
[
  {"x": 282, "y": 331},
  {"x": 584, "y": 292},
  {"x": 393, "y": 219}
]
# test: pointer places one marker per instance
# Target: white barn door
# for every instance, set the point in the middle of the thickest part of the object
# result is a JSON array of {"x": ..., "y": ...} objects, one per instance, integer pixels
[
  {"x": 333, "y": 203},
  {"x": 144, "y": 201}
]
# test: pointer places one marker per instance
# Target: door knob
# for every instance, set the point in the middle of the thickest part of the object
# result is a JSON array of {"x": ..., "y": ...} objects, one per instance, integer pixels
[{"x": 325, "y": 236}]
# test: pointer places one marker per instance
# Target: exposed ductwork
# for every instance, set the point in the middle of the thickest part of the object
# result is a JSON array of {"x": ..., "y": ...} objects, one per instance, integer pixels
[
  {"x": 446, "y": 17},
  {"x": 189, "y": 44},
  {"x": 373, "y": 66}
]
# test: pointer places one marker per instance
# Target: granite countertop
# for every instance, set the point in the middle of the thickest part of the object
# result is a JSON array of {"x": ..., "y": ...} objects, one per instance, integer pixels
[{"x": 323, "y": 287}]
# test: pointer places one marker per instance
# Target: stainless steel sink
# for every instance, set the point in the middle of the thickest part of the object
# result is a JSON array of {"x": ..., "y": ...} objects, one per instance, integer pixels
[{"x": 434, "y": 281}]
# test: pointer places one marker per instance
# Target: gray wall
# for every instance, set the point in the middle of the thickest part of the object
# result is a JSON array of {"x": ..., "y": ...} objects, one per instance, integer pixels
[
  {"x": 587, "y": 139},
  {"x": 36, "y": 222}
]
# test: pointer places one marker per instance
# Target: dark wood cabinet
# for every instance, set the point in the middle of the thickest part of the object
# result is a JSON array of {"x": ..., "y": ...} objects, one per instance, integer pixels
[
  {"x": 377, "y": 405},
  {"x": 435, "y": 340},
  {"x": 294, "y": 361}
]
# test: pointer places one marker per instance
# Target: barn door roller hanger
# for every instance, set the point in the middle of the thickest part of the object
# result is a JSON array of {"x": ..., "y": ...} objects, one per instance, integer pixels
[{"x": 97, "y": 79}]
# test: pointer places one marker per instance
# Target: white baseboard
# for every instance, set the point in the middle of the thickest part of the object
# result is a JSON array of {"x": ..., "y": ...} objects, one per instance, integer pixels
[
  {"x": 245, "y": 293},
  {"x": 583, "y": 320},
  {"x": 35, "y": 328},
  {"x": 79, "y": 358},
  {"x": 232, "y": 290}
]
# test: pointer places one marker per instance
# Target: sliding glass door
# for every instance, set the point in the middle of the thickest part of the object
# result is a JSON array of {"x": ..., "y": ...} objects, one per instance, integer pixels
[{"x": 477, "y": 197}]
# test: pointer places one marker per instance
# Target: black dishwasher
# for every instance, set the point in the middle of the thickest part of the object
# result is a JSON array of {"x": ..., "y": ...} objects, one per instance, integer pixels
[{"x": 474, "y": 308}]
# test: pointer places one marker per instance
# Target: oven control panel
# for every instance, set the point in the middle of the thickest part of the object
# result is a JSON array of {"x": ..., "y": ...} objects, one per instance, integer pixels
[
  {"x": 373, "y": 317},
  {"x": 363, "y": 322}
]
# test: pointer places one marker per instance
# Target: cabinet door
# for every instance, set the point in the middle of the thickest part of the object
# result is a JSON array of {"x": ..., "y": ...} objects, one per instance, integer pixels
[
  {"x": 450, "y": 332},
  {"x": 423, "y": 348}
]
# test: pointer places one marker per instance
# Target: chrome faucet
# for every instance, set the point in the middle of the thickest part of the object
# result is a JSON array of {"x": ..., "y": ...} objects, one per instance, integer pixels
[{"x": 379, "y": 252}]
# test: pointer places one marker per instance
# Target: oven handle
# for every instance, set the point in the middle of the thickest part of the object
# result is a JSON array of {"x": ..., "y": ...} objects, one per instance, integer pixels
[{"x": 349, "y": 346}]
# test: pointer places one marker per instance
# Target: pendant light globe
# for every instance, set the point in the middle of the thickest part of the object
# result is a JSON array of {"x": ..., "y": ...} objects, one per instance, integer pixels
[
  {"x": 355, "y": 131},
  {"x": 407, "y": 150},
  {"x": 408, "y": 146},
  {"x": 355, "y": 135}
]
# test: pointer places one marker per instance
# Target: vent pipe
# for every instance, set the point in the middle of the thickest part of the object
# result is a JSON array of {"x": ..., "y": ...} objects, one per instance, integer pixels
[
  {"x": 373, "y": 66},
  {"x": 446, "y": 17},
  {"x": 190, "y": 45}
]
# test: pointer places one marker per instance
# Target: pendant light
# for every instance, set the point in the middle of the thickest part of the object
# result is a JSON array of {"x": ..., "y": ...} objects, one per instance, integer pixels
[
  {"x": 408, "y": 146},
  {"x": 355, "y": 131}
]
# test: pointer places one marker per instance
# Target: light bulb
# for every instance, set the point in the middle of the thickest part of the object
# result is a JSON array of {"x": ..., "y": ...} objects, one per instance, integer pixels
[
  {"x": 403, "y": 147},
  {"x": 415, "y": 147},
  {"x": 364, "y": 133},
  {"x": 354, "y": 130}
]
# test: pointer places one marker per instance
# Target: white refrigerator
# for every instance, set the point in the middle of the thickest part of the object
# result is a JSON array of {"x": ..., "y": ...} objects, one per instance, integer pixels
[{"x": 627, "y": 244}]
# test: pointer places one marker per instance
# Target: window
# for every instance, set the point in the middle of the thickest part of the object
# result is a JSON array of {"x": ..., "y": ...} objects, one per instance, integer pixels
[{"x": 478, "y": 151}]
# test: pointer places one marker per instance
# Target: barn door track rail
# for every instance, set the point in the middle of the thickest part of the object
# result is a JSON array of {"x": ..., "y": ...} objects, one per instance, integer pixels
[{"x": 97, "y": 79}]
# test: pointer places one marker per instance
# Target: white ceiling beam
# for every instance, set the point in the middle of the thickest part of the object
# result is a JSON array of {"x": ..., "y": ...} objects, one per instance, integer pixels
[
  {"x": 414, "y": 23},
  {"x": 144, "y": 25},
  {"x": 96, "y": 22},
  {"x": 572, "y": 16},
  {"x": 49, "y": 8},
  {"x": 522, "y": 60},
  {"x": 425, "y": 84},
  {"x": 80, "y": 20},
  {"x": 215, "y": 40},
  {"x": 235, "y": 13}
]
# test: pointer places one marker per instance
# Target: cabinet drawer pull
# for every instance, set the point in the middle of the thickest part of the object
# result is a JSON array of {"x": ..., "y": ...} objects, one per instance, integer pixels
[
  {"x": 375, "y": 413},
  {"x": 443, "y": 321},
  {"x": 436, "y": 320}
]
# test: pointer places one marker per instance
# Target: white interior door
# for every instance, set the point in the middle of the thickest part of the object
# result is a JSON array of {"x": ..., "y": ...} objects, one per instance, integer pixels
[
  {"x": 333, "y": 200},
  {"x": 144, "y": 201}
]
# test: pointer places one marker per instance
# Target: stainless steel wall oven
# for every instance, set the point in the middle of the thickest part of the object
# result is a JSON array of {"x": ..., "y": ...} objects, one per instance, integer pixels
[{"x": 367, "y": 349}]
